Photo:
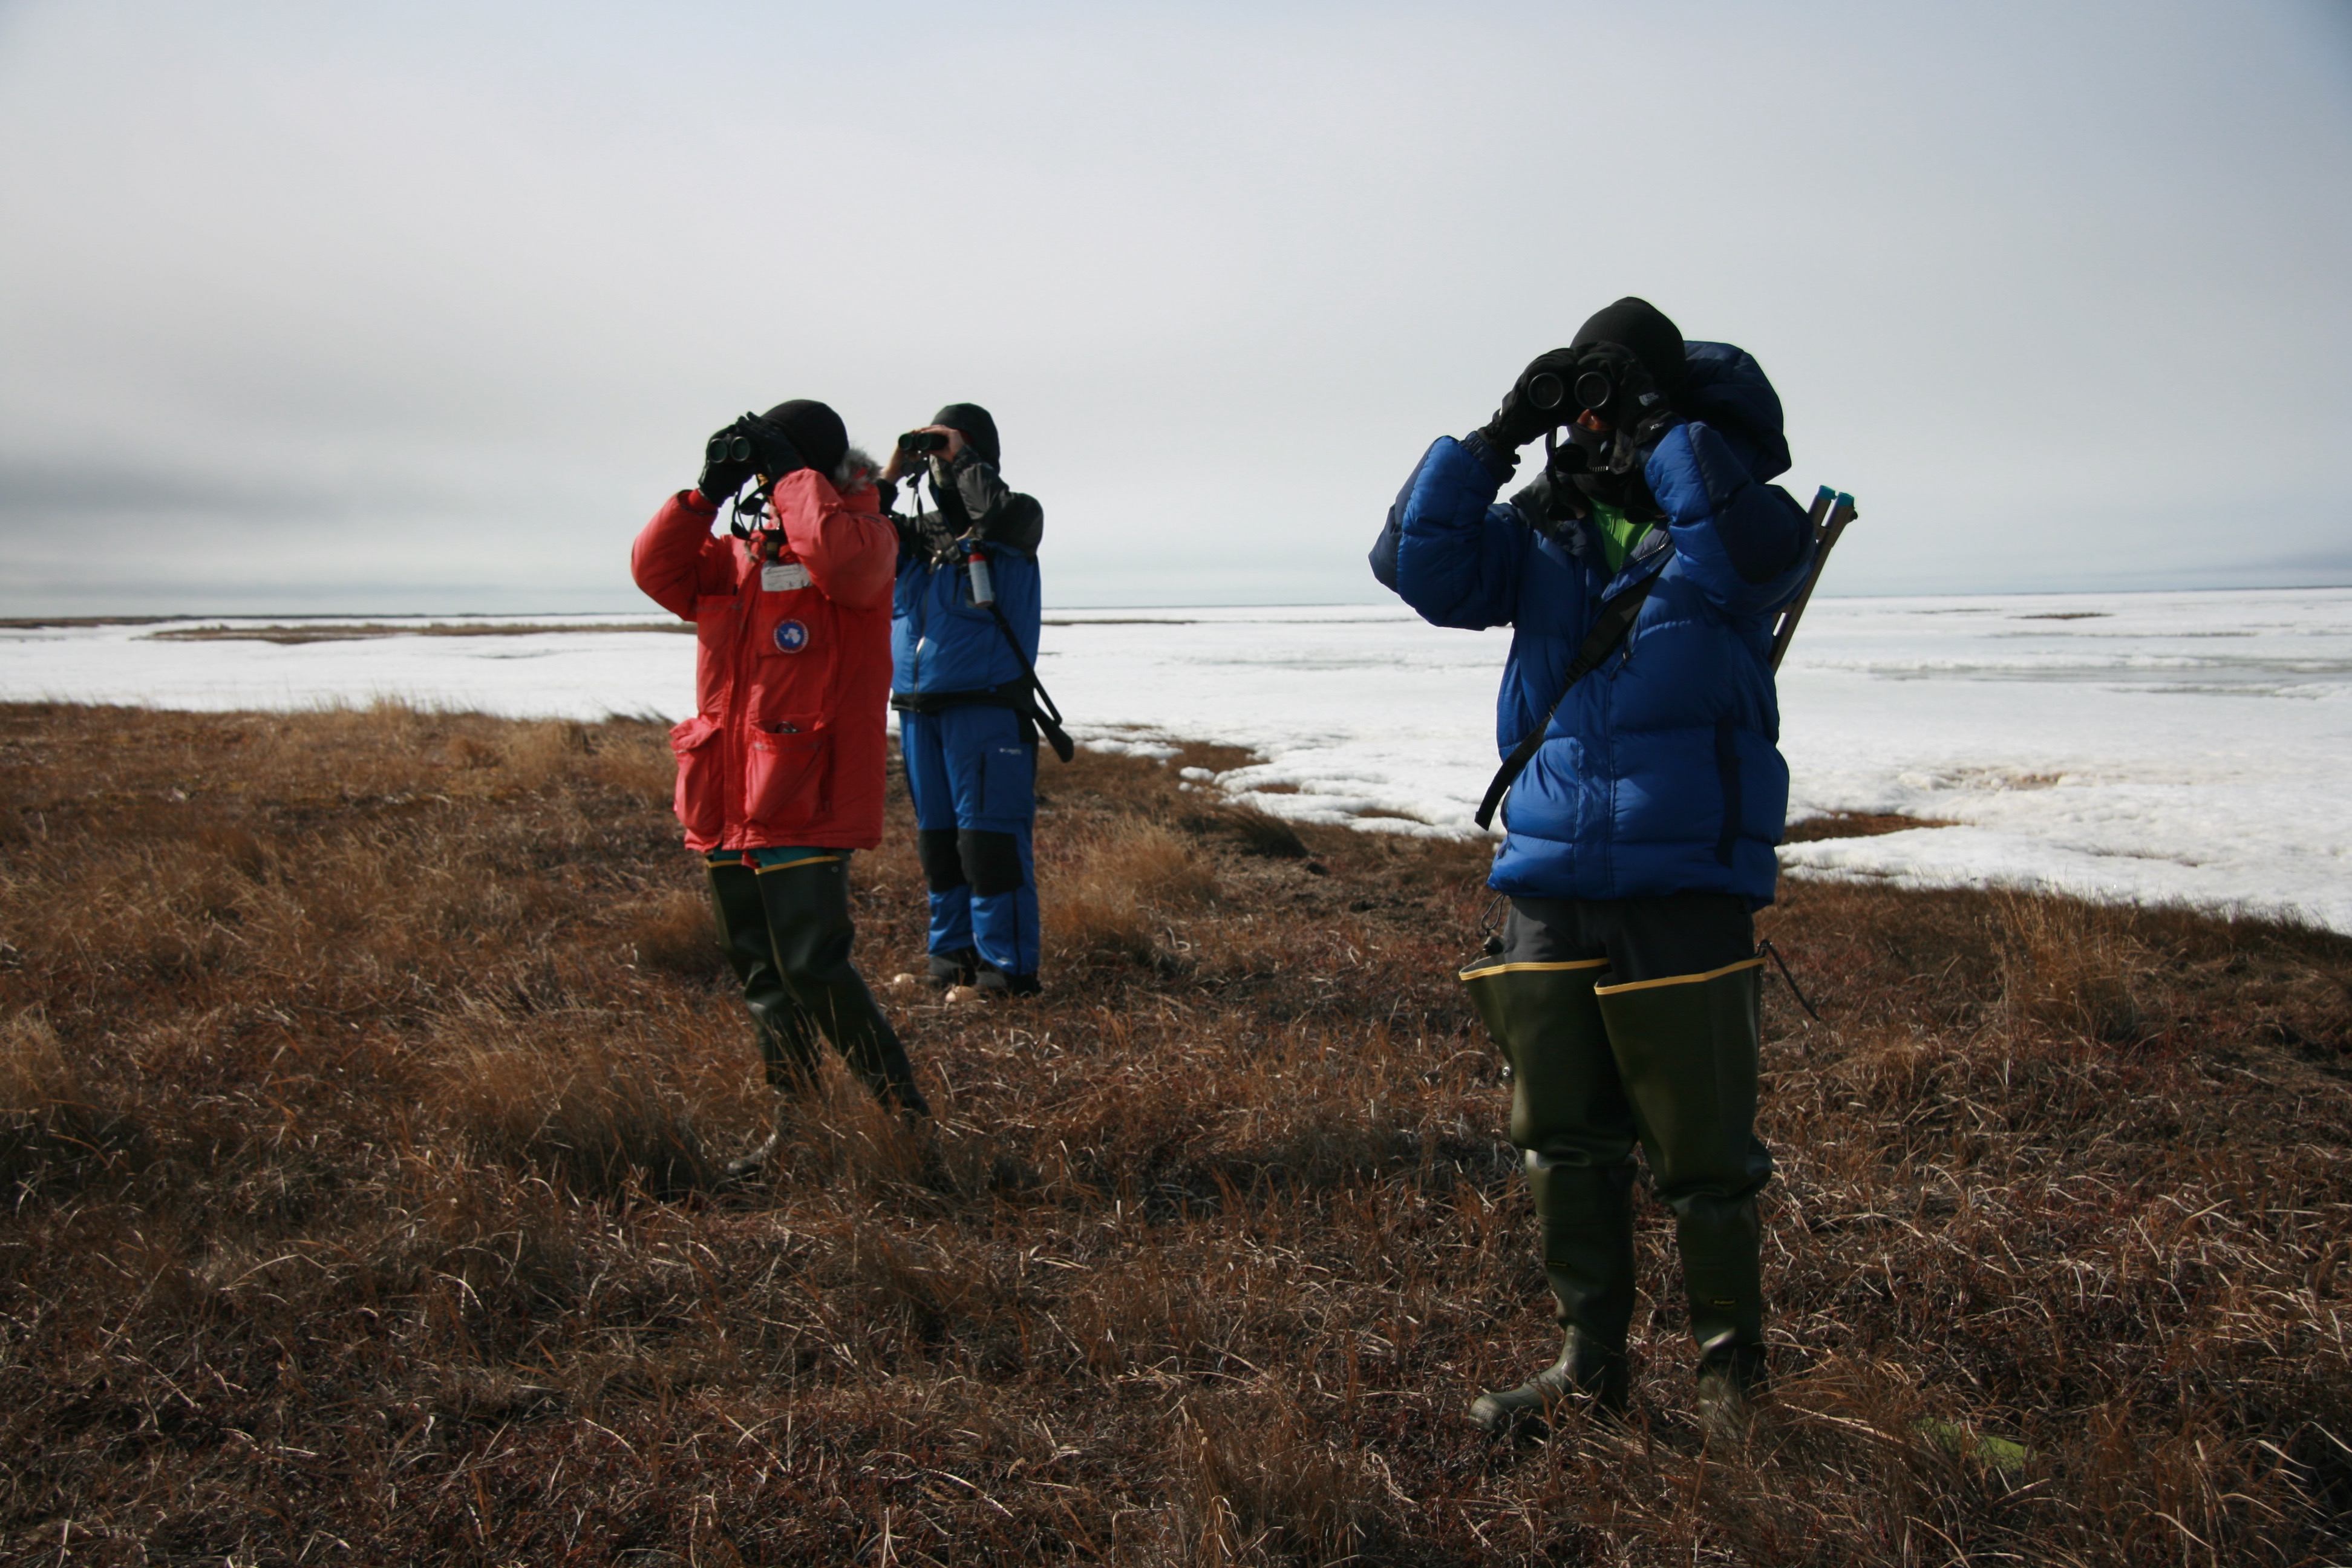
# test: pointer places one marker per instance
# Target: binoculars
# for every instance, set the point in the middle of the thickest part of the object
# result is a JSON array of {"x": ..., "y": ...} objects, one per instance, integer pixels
[
  {"x": 755, "y": 440},
  {"x": 1591, "y": 389},
  {"x": 915, "y": 443}
]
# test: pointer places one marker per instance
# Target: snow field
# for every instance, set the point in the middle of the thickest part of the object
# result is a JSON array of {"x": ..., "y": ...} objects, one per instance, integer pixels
[{"x": 2149, "y": 747}]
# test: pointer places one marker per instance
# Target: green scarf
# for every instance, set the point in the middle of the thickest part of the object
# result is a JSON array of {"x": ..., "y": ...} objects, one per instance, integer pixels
[{"x": 1618, "y": 534}]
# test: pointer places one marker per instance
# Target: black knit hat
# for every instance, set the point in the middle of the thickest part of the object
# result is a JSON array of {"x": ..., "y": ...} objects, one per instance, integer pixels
[
  {"x": 815, "y": 429},
  {"x": 973, "y": 422},
  {"x": 1638, "y": 325}
]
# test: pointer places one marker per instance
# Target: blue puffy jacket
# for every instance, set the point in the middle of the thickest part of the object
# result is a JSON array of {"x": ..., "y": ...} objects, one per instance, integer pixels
[
  {"x": 1661, "y": 772},
  {"x": 939, "y": 640}
]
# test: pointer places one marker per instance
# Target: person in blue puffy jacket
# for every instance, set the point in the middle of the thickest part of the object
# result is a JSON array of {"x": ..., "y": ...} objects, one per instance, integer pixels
[
  {"x": 1624, "y": 989},
  {"x": 967, "y": 727}
]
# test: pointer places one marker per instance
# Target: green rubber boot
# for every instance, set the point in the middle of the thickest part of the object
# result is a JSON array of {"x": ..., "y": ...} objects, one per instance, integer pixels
[
  {"x": 807, "y": 904},
  {"x": 1687, "y": 1049},
  {"x": 1576, "y": 1129}
]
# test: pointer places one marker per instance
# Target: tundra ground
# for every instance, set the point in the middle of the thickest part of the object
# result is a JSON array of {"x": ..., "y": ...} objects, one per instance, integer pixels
[{"x": 365, "y": 1080}]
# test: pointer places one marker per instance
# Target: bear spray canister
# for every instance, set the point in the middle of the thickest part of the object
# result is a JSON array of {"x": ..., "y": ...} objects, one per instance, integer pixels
[{"x": 983, "y": 590}]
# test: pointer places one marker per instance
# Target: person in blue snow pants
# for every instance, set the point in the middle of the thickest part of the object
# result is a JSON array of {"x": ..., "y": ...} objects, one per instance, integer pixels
[{"x": 966, "y": 727}]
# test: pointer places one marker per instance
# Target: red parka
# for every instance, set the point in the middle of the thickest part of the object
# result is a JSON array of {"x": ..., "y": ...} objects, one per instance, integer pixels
[{"x": 792, "y": 667}]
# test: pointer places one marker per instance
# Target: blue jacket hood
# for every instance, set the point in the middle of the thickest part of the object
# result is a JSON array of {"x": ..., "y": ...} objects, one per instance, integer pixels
[{"x": 1727, "y": 389}]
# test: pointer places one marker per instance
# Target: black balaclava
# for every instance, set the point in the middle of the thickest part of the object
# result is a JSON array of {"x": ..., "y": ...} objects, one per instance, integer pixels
[
  {"x": 1592, "y": 458},
  {"x": 972, "y": 422},
  {"x": 815, "y": 429},
  {"x": 1638, "y": 325}
]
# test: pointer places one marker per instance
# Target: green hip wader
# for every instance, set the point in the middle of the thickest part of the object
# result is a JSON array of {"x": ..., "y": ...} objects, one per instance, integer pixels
[{"x": 1596, "y": 1067}]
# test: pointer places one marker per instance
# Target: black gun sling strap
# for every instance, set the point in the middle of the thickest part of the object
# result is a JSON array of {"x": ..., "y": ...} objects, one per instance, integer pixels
[
  {"x": 1610, "y": 625},
  {"x": 1042, "y": 707}
]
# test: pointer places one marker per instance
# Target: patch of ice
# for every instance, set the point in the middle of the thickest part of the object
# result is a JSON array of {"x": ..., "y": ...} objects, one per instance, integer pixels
[{"x": 2148, "y": 746}]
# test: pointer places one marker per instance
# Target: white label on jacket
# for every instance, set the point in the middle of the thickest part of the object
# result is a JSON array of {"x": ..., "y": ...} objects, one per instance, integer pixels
[{"x": 782, "y": 576}]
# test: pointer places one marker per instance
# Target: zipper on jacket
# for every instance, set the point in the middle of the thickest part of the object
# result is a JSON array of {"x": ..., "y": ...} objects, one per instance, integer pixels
[
  {"x": 1624, "y": 656},
  {"x": 916, "y": 621},
  {"x": 922, "y": 628},
  {"x": 739, "y": 694}
]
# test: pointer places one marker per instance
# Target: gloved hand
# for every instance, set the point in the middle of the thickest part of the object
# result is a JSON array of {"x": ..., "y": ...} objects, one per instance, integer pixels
[
  {"x": 772, "y": 452},
  {"x": 749, "y": 446},
  {"x": 1635, "y": 408},
  {"x": 726, "y": 462},
  {"x": 1552, "y": 502},
  {"x": 1523, "y": 417}
]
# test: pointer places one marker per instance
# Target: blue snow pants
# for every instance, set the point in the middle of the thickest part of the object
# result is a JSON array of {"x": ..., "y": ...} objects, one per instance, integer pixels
[{"x": 974, "y": 784}]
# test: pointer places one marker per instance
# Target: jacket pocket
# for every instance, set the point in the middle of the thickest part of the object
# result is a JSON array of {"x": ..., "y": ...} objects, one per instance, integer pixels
[
  {"x": 785, "y": 787},
  {"x": 701, "y": 798},
  {"x": 793, "y": 637}
]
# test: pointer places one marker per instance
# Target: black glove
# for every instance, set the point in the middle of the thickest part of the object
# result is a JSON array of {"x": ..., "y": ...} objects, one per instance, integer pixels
[
  {"x": 1529, "y": 410},
  {"x": 772, "y": 452},
  {"x": 749, "y": 446},
  {"x": 726, "y": 463},
  {"x": 1636, "y": 407}
]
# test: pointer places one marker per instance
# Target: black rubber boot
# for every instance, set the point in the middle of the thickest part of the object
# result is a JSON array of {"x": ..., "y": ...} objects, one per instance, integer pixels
[
  {"x": 1729, "y": 1390},
  {"x": 751, "y": 1162},
  {"x": 807, "y": 904},
  {"x": 953, "y": 968},
  {"x": 995, "y": 984},
  {"x": 787, "y": 1035},
  {"x": 1586, "y": 1377},
  {"x": 1686, "y": 1048},
  {"x": 1588, "y": 1235},
  {"x": 1573, "y": 1122}
]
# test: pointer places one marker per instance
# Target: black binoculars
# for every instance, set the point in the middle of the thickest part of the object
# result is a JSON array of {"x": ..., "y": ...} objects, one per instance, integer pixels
[
  {"x": 1593, "y": 390},
  {"x": 915, "y": 443},
  {"x": 756, "y": 440}
]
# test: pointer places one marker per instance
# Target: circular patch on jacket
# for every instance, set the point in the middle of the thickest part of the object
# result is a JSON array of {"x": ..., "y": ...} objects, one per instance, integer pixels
[{"x": 791, "y": 636}]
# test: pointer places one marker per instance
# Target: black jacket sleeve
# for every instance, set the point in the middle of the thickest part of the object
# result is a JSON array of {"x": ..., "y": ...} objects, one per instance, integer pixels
[
  {"x": 905, "y": 527},
  {"x": 977, "y": 497}
]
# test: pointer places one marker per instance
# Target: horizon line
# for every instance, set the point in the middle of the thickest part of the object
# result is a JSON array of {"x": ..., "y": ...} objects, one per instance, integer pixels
[{"x": 127, "y": 617}]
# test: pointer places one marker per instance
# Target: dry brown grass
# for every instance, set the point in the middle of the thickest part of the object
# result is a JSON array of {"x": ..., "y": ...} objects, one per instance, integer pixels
[
  {"x": 555, "y": 1093},
  {"x": 363, "y": 1076},
  {"x": 1118, "y": 889},
  {"x": 35, "y": 1077},
  {"x": 51, "y": 1128}
]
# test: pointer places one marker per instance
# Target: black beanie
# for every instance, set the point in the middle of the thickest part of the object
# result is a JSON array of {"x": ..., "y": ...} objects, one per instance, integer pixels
[
  {"x": 815, "y": 429},
  {"x": 973, "y": 422},
  {"x": 1638, "y": 325}
]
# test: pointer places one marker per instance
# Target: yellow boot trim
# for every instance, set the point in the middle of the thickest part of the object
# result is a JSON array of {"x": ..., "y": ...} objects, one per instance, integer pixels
[
  {"x": 1511, "y": 968},
  {"x": 1678, "y": 979}
]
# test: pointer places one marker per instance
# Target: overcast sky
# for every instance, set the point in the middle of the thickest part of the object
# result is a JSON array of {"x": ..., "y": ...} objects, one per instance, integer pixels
[{"x": 425, "y": 307}]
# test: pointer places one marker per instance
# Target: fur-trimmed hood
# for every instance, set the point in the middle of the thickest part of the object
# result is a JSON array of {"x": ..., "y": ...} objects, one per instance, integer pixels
[{"x": 856, "y": 472}]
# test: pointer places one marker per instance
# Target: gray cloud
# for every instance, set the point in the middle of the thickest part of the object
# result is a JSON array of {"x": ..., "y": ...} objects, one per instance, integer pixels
[
  {"x": 437, "y": 303},
  {"x": 35, "y": 492}
]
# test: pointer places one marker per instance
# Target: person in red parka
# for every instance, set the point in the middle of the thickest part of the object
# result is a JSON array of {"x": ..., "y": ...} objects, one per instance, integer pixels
[{"x": 780, "y": 772}]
